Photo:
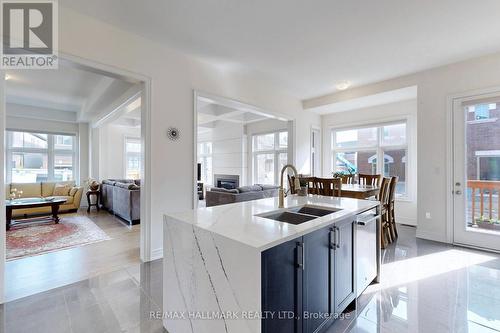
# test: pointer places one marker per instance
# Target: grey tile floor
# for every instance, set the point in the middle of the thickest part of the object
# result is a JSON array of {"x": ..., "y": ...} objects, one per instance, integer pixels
[
  {"x": 119, "y": 301},
  {"x": 426, "y": 287},
  {"x": 430, "y": 287}
]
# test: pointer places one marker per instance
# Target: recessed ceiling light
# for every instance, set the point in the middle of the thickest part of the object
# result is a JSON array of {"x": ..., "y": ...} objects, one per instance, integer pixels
[{"x": 343, "y": 85}]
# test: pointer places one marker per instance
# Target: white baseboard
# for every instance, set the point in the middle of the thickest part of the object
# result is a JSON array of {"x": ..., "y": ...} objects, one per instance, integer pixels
[
  {"x": 157, "y": 254},
  {"x": 406, "y": 220},
  {"x": 431, "y": 236}
]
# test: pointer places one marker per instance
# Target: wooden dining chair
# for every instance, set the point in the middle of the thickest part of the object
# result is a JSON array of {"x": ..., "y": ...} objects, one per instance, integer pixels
[
  {"x": 384, "y": 204},
  {"x": 371, "y": 180},
  {"x": 331, "y": 187},
  {"x": 347, "y": 179},
  {"x": 391, "y": 207},
  {"x": 309, "y": 182}
]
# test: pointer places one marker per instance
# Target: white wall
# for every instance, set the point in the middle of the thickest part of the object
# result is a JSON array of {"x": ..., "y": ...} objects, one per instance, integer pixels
[
  {"x": 174, "y": 77},
  {"x": 83, "y": 152},
  {"x": 266, "y": 126},
  {"x": 229, "y": 150},
  {"x": 406, "y": 211},
  {"x": 435, "y": 86},
  {"x": 111, "y": 147}
]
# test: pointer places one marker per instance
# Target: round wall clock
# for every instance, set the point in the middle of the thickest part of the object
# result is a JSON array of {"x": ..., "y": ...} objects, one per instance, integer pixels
[{"x": 173, "y": 133}]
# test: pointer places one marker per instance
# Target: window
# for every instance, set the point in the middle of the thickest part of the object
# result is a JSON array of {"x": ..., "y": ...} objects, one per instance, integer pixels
[
  {"x": 205, "y": 158},
  {"x": 132, "y": 158},
  {"x": 36, "y": 157},
  {"x": 270, "y": 154},
  {"x": 480, "y": 112},
  {"x": 375, "y": 149}
]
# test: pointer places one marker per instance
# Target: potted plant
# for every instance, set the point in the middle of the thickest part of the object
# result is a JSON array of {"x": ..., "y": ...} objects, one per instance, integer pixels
[{"x": 349, "y": 171}]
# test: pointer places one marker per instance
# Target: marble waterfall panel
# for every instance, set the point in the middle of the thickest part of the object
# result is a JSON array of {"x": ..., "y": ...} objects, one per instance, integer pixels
[{"x": 211, "y": 284}]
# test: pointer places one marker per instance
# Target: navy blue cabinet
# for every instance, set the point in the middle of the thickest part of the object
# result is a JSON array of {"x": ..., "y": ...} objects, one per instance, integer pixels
[
  {"x": 342, "y": 265},
  {"x": 282, "y": 287},
  {"x": 306, "y": 280},
  {"x": 316, "y": 280}
]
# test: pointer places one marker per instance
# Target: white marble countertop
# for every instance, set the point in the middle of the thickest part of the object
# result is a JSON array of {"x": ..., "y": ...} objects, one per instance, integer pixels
[{"x": 239, "y": 222}]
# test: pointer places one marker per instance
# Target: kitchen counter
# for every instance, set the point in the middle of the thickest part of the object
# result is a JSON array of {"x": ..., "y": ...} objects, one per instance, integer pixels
[
  {"x": 215, "y": 260},
  {"x": 239, "y": 222}
]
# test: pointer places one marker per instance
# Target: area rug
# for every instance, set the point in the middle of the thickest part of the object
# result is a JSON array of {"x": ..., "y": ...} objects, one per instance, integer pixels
[{"x": 37, "y": 238}]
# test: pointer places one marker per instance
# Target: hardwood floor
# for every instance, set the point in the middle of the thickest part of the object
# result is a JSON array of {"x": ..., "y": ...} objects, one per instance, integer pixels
[{"x": 35, "y": 274}]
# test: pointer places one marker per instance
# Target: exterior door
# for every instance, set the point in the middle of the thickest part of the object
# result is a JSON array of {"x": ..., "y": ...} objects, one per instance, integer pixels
[{"x": 476, "y": 171}]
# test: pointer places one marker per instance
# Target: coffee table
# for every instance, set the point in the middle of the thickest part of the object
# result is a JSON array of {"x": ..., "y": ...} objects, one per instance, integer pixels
[{"x": 11, "y": 205}]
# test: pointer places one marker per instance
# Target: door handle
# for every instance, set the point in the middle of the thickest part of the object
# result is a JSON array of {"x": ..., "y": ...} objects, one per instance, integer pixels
[
  {"x": 458, "y": 192},
  {"x": 300, "y": 256},
  {"x": 334, "y": 238}
]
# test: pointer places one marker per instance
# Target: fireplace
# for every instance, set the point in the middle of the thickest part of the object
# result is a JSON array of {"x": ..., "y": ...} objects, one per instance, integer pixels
[{"x": 227, "y": 181}]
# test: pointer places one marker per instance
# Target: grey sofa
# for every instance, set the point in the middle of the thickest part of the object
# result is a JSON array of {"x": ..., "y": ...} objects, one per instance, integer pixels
[
  {"x": 221, "y": 196},
  {"x": 122, "y": 197}
]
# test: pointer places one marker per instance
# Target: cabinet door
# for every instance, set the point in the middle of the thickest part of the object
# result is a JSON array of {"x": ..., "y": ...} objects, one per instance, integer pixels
[
  {"x": 282, "y": 287},
  {"x": 316, "y": 281},
  {"x": 343, "y": 265}
]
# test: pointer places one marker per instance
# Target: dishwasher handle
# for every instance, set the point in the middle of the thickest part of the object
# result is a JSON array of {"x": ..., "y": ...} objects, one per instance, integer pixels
[{"x": 367, "y": 221}]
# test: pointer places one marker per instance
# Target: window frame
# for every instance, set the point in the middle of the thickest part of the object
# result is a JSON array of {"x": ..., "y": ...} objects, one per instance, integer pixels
[
  {"x": 50, "y": 151},
  {"x": 275, "y": 152},
  {"x": 203, "y": 156},
  {"x": 380, "y": 148},
  {"x": 135, "y": 154}
]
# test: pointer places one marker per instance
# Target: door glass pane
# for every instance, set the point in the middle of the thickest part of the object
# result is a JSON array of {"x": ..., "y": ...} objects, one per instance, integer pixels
[
  {"x": 29, "y": 167},
  {"x": 63, "y": 167},
  {"x": 482, "y": 130},
  {"x": 265, "y": 169},
  {"x": 395, "y": 165},
  {"x": 264, "y": 142},
  {"x": 364, "y": 137},
  {"x": 394, "y": 134}
]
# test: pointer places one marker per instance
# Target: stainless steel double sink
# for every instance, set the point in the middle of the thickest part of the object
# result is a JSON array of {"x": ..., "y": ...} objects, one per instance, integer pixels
[{"x": 300, "y": 214}]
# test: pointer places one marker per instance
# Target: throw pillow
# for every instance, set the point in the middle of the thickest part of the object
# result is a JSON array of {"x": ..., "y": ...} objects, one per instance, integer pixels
[
  {"x": 73, "y": 191},
  {"x": 251, "y": 188},
  {"x": 61, "y": 190}
]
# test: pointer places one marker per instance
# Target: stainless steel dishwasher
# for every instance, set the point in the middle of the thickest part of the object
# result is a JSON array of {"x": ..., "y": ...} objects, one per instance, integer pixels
[{"x": 366, "y": 249}]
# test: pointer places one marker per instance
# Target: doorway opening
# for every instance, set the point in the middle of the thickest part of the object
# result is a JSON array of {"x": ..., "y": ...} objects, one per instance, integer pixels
[
  {"x": 238, "y": 147},
  {"x": 75, "y": 138}
]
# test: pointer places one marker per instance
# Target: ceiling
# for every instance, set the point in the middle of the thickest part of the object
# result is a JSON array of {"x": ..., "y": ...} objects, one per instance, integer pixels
[
  {"x": 386, "y": 97},
  {"x": 86, "y": 93},
  {"x": 307, "y": 47},
  {"x": 212, "y": 114}
]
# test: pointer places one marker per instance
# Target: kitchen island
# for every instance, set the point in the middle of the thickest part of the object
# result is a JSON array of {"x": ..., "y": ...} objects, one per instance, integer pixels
[{"x": 240, "y": 268}]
